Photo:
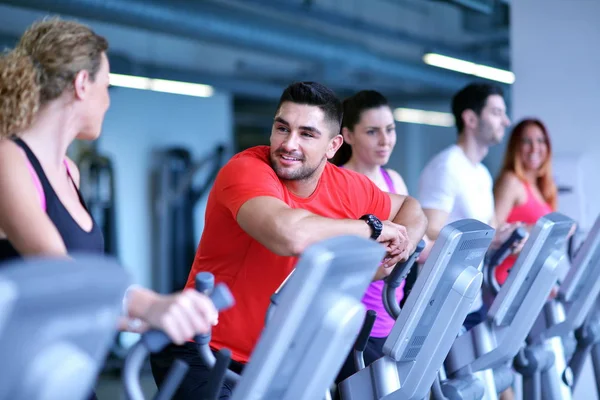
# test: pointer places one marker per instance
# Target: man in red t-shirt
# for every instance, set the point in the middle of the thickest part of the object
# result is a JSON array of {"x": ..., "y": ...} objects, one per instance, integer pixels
[{"x": 268, "y": 204}]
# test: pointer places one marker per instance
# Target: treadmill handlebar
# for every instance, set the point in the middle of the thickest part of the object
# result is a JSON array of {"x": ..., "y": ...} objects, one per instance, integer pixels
[
  {"x": 363, "y": 337},
  {"x": 505, "y": 248},
  {"x": 205, "y": 282},
  {"x": 155, "y": 340},
  {"x": 218, "y": 374},
  {"x": 496, "y": 258},
  {"x": 365, "y": 331},
  {"x": 401, "y": 270},
  {"x": 391, "y": 283}
]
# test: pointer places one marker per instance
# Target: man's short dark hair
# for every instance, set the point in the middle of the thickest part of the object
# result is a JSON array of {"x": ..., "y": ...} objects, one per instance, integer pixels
[
  {"x": 315, "y": 94},
  {"x": 472, "y": 97}
]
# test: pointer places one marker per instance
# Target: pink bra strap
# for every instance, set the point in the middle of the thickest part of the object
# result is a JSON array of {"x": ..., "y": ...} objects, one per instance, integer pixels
[
  {"x": 67, "y": 166},
  {"x": 36, "y": 181}
]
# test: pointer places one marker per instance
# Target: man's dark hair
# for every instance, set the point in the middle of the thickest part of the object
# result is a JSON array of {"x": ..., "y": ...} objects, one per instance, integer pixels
[
  {"x": 472, "y": 97},
  {"x": 315, "y": 94}
]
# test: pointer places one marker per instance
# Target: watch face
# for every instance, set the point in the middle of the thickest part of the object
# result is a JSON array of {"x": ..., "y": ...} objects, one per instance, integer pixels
[{"x": 376, "y": 223}]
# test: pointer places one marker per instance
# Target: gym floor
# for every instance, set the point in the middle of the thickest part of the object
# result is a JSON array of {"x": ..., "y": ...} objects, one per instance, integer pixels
[{"x": 110, "y": 386}]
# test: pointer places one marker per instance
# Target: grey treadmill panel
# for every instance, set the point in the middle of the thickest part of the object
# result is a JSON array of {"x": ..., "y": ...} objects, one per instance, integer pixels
[
  {"x": 315, "y": 323},
  {"x": 58, "y": 321},
  {"x": 518, "y": 303},
  {"x": 430, "y": 320},
  {"x": 581, "y": 286},
  {"x": 548, "y": 236},
  {"x": 464, "y": 243}
]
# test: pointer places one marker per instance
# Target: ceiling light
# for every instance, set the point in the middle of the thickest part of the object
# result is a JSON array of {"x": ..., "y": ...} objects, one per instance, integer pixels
[
  {"x": 414, "y": 116},
  {"x": 470, "y": 68},
  {"x": 161, "y": 85}
]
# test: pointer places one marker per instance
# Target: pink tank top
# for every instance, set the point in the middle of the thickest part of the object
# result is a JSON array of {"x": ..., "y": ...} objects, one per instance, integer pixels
[
  {"x": 372, "y": 298},
  {"x": 528, "y": 213}
]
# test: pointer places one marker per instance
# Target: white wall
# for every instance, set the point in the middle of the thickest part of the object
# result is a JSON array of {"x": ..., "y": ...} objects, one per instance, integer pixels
[
  {"x": 138, "y": 123},
  {"x": 556, "y": 61},
  {"x": 415, "y": 146}
]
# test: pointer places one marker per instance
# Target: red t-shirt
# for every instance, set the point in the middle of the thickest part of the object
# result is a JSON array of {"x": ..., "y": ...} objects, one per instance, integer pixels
[{"x": 252, "y": 272}]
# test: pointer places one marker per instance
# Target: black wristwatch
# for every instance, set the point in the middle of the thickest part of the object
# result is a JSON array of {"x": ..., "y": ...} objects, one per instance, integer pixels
[{"x": 375, "y": 225}]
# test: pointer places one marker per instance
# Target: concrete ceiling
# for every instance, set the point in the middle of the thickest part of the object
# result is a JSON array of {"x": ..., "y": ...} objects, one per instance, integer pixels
[{"x": 253, "y": 48}]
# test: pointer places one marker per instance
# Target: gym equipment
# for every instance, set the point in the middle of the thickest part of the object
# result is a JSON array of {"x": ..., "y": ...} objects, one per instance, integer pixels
[
  {"x": 155, "y": 341},
  {"x": 491, "y": 287},
  {"x": 57, "y": 322},
  {"x": 476, "y": 365},
  {"x": 588, "y": 341},
  {"x": 174, "y": 198},
  {"x": 274, "y": 300},
  {"x": 97, "y": 186},
  {"x": 393, "y": 281},
  {"x": 317, "y": 319},
  {"x": 430, "y": 320},
  {"x": 554, "y": 330}
]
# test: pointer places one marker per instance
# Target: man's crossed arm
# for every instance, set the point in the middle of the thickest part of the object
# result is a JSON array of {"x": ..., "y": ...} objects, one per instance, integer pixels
[{"x": 288, "y": 231}]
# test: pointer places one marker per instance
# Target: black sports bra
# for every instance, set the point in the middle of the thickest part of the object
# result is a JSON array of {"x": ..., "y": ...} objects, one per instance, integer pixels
[{"x": 74, "y": 237}]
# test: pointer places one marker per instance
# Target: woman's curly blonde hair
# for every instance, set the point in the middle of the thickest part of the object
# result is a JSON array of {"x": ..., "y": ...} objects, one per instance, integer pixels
[{"x": 42, "y": 66}]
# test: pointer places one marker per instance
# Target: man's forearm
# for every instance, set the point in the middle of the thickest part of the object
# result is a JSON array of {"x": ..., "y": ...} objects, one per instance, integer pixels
[
  {"x": 288, "y": 231},
  {"x": 314, "y": 228},
  {"x": 412, "y": 217}
]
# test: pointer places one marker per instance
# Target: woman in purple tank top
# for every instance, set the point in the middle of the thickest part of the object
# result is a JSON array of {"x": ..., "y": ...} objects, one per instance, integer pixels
[{"x": 369, "y": 134}]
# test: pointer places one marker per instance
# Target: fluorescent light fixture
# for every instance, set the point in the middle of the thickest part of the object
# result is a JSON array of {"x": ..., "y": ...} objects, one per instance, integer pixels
[
  {"x": 161, "y": 85},
  {"x": 470, "y": 68},
  {"x": 423, "y": 117}
]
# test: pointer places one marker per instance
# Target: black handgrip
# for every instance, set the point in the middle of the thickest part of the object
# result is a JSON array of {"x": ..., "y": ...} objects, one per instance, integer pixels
[
  {"x": 505, "y": 248},
  {"x": 391, "y": 283},
  {"x": 365, "y": 331},
  {"x": 401, "y": 270},
  {"x": 363, "y": 338}
]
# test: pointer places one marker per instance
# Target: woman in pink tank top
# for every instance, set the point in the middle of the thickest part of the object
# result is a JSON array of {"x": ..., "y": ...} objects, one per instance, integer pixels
[{"x": 525, "y": 190}]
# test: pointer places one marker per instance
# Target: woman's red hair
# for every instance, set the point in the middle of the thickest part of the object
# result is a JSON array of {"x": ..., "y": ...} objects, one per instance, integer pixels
[{"x": 512, "y": 161}]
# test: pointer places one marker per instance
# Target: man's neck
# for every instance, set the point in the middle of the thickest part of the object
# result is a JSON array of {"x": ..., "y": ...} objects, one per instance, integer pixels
[
  {"x": 305, "y": 187},
  {"x": 474, "y": 151}
]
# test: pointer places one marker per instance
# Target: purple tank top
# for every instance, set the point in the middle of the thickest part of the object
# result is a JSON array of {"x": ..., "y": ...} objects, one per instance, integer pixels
[{"x": 372, "y": 298}]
